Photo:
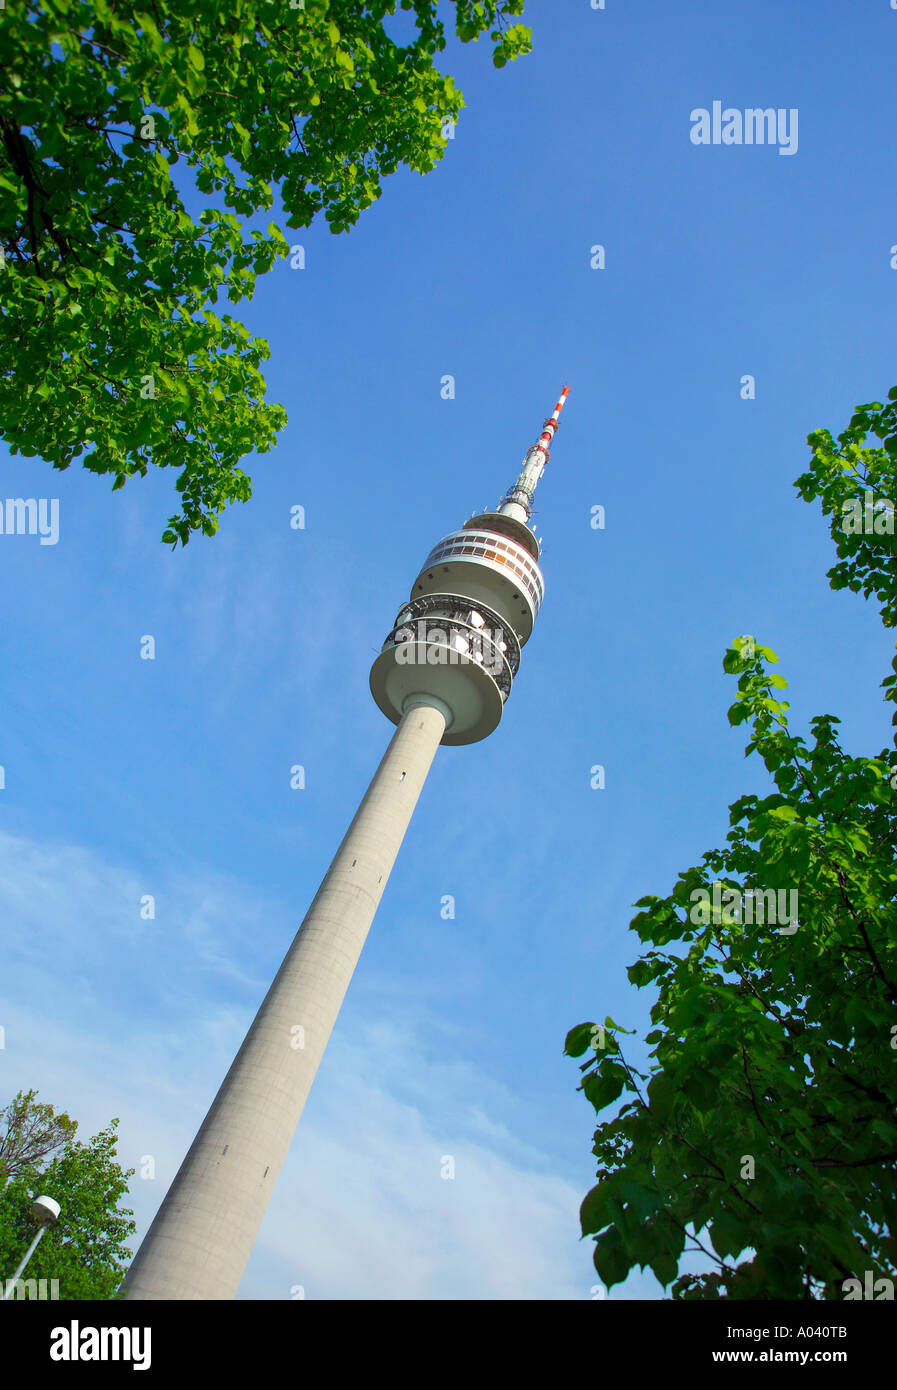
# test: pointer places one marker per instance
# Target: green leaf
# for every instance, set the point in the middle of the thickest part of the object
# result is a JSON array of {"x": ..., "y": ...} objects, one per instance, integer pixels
[
  {"x": 664, "y": 1267},
  {"x": 594, "y": 1212},
  {"x": 610, "y": 1258},
  {"x": 728, "y": 1234},
  {"x": 578, "y": 1039},
  {"x": 603, "y": 1087},
  {"x": 662, "y": 1096},
  {"x": 643, "y": 1201}
]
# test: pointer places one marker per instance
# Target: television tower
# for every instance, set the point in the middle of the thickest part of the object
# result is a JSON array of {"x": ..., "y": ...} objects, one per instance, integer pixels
[{"x": 443, "y": 676}]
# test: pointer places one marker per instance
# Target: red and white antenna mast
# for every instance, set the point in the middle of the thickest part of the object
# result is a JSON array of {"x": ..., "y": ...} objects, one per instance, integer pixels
[{"x": 518, "y": 503}]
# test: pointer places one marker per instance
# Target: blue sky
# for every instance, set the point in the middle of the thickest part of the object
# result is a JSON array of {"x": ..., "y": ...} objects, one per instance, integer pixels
[{"x": 171, "y": 777}]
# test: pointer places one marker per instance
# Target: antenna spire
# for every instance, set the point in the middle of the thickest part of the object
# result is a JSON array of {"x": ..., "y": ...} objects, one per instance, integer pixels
[{"x": 518, "y": 503}]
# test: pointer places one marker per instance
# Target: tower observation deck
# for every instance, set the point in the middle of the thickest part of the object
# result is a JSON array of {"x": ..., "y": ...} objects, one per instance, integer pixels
[
  {"x": 472, "y": 608},
  {"x": 443, "y": 675}
]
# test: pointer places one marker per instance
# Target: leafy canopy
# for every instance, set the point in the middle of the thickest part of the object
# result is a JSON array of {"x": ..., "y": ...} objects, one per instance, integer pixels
[
  {"x": 765, "y": 1133},
  {"x": 110, "y": 348},
  {"x": 32, "y": 1131},
  {"x": 85, "y": 1248}
]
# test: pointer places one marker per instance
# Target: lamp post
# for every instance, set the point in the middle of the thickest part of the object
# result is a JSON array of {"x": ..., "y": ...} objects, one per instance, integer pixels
[{"x": 44, "y": 1210}]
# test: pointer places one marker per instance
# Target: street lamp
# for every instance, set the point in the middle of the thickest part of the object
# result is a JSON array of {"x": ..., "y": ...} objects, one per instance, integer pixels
[{"x": 44, "y": 1210}]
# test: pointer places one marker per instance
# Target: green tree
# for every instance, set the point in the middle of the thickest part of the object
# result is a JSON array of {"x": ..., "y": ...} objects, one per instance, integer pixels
[
  {"x": 85, "y": 1249},
  {"x": 767, "y": 1124},
  {"x": 32, "y": 1131},
  {"x": 109, "y": 346}
]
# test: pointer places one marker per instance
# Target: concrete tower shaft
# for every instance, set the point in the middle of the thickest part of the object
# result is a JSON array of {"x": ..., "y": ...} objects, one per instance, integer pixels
[{"x": 204, "y": 1231}]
